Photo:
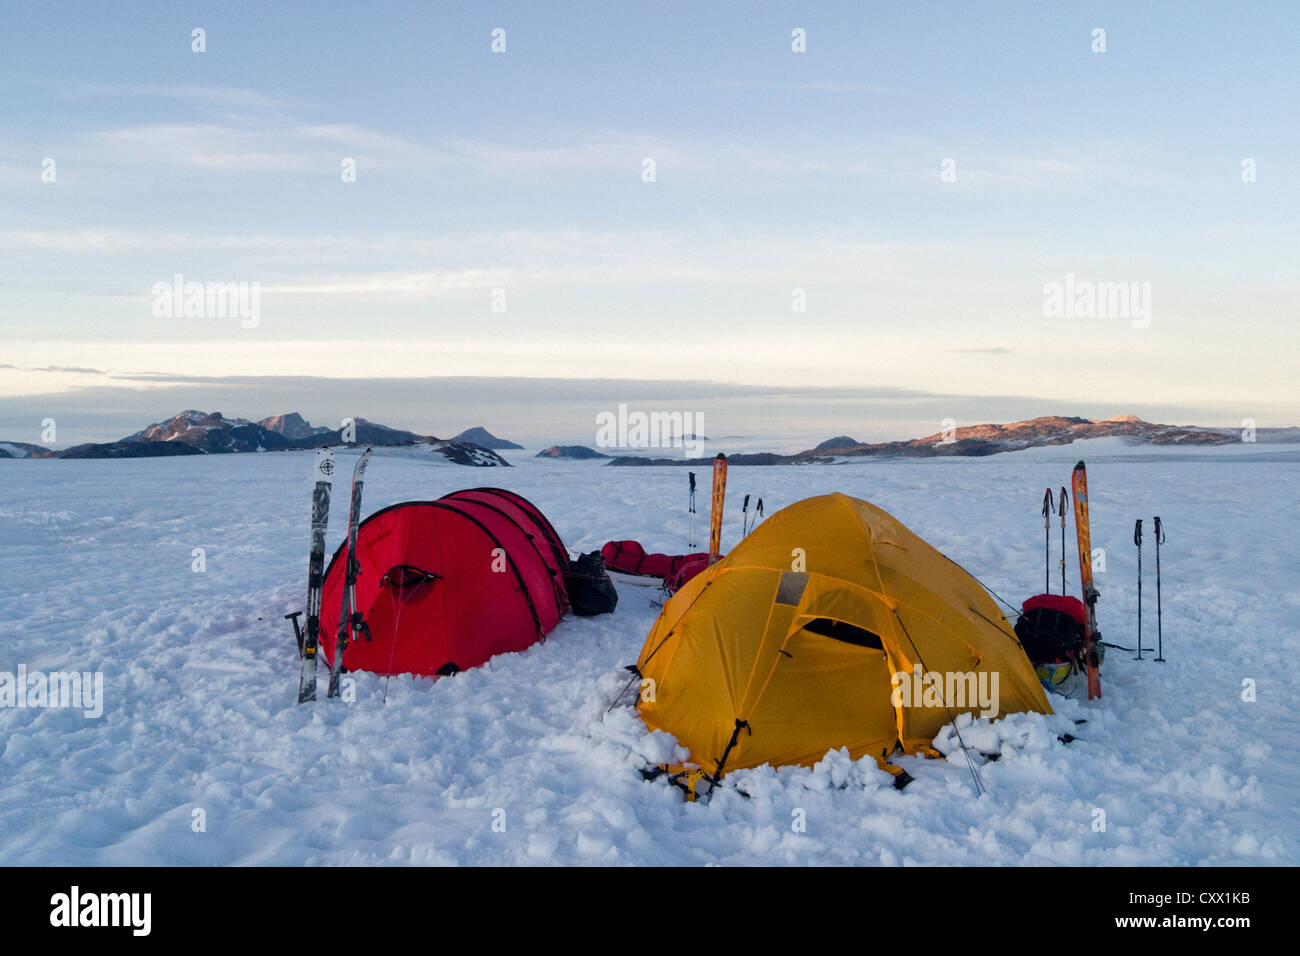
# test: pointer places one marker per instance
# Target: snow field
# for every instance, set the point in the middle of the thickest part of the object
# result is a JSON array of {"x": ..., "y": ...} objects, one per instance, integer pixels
[{"x": 200, "y": 674}]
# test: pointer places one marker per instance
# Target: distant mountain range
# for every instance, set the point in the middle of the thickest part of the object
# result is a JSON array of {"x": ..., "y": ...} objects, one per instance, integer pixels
[
  {"x": 198, "y": 433},
  {"x": 977, "y": 440},
  {"x": 210, "y": 433},
  {"x": 981, "y": 440}
]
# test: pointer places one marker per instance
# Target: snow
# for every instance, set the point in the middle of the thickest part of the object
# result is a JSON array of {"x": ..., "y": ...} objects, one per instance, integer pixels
[
  {"x": 523, "y": 762},
  {"x": 13, "y": 450}
]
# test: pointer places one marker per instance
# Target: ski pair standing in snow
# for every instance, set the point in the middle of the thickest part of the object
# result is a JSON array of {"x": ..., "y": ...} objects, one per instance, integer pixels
[
  {"x": 323, "y": 471},
  {"x": 350, "y": 622}
]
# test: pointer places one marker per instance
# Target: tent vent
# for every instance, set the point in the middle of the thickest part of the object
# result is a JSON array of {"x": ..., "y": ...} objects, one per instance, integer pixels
[
  {"x": 791, "y": 586},
  {"x": 841, "y": 631}
]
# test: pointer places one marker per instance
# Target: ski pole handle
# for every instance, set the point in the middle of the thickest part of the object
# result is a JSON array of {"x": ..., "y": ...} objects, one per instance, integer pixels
[
  {"x": 297, "y": 630},
  {"x": 1137, "y": 533}
]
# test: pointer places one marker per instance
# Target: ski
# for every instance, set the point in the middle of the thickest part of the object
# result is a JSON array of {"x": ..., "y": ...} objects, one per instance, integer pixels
[
  {"x": 350, "y": 623},
  {"x": 1091, "y": 637},
  {"x": 323, "y": 472},
  {"x": 715, "y": 516}
]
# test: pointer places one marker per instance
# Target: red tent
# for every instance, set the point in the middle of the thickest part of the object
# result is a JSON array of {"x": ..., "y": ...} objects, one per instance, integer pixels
[{"x": 444, "y": 585}]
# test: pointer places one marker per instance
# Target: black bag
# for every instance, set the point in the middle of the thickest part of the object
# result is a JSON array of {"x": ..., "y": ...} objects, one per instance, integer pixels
[
  {"x": 589, "y": 587},
  {"x": 1049, "y": 636}
]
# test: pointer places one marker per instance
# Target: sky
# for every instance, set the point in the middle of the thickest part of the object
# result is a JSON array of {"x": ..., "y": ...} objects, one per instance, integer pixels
[{"x": 853, "y": 238}]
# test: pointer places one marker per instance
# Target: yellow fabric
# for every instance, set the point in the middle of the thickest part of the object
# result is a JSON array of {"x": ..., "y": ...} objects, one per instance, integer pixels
[{"x": 731, "y": 645}]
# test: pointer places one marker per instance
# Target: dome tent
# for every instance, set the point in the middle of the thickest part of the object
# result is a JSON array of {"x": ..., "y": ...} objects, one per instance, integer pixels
[
  {"x": 445, "y": 585},
  {"x": 796, "y": 642}
]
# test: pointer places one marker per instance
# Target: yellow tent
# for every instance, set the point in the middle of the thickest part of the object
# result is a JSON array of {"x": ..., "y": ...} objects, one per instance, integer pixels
[{"x": 832, "y": 625}]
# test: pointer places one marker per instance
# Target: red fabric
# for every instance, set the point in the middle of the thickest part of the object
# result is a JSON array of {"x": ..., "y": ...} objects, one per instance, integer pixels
[
  {"x": 1057, "y": 602},
  {"x": 472, "y": 611},
  {"x": 685, "y": 572},
  {"x": 500, "y": 497},
  {"x": 630, "y": 558},
  {"x": 482, "y": 502}
]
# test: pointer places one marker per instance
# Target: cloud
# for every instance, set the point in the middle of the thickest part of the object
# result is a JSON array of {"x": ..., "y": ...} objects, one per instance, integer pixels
[
  {"x": 208, "y": 146},
  {"x": 77, "y": 240},
  {"x": 817, "y": 86},
  {"x": 56, "y": 368},
  {"x": 243, "y": 98}
]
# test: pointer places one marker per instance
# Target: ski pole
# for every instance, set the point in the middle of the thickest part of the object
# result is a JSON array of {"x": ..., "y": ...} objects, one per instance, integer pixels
[
  {"x": 744, "y": 517},
  {"x": 691, "y": 509},
  {"x": 1063, "y": 500},
  {"x": 297, "y": 630},
  {"x": 1048, "y": 510},
  {"x": 1137, "y": 539},
  {"x": 1160, "y": 641}
]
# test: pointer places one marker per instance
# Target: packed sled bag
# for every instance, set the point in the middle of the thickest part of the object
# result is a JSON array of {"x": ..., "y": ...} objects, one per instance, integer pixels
[
  {"x": 687, "y": 570},
  {"x": 590, "y": 590},
  {"x": 629, "y": 557}
]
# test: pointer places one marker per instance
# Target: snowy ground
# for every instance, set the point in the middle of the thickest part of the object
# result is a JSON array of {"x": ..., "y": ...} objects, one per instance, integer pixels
[{"x": 201, "y": 671}]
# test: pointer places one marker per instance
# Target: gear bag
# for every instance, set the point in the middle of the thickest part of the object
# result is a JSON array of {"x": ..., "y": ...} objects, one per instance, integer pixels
[{"x": 590, "y": 590}]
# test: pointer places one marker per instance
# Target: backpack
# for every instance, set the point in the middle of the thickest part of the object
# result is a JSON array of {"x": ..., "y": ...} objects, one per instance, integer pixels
[
  {"x": 590, "y": 590},
  {"x": 1050, "y": 629}
]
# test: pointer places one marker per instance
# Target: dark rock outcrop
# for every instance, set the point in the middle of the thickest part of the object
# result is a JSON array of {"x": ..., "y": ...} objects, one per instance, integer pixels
[
  {"x": 478, "y": 435},
  {"x": 576, "y": 452}
]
